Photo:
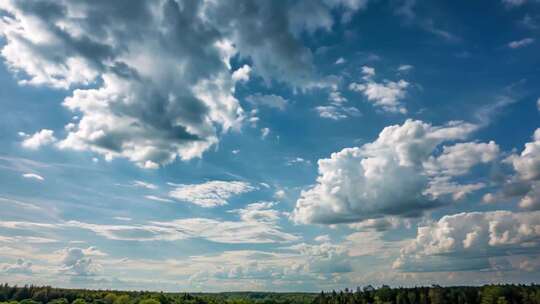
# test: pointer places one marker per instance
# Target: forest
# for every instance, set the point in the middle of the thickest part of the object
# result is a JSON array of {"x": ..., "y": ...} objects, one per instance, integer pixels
[{"x": 487, "y": 294}]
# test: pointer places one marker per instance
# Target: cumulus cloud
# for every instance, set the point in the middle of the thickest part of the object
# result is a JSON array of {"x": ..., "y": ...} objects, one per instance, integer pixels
[
  {"x": 525, "y": 183},
  {"x": 209, "y": 194},
  {"x": 458, "y": 159},
  {"x": 527, "y": 164},
  {"x": 152, "y": 82},
  {"x": 39, "y": 139},
  {"x": 386, "y": 95},
  {"x": 242, "y": 74},
  {"x": 384, "y": 177},
  {"x": 33, "y": 176},
  {"x": 469, "y": 239},
  {"x": 19, "y": 267},
  {"x": 271, "y": 101},
  {"x": 79, "y": 262},
  {"x": 517, "y": 44}
]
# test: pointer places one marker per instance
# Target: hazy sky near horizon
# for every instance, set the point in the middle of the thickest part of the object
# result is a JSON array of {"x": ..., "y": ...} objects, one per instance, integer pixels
[{"x": 269, "y": 145}]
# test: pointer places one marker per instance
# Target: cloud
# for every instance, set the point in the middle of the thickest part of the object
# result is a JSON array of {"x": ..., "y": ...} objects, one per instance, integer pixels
[
  {"x": 209, "y": 194},
  {"x": 39, "y": 139},
  {"x": 152, "y": 82},
  {"x": 19, "y": 267},
  {"x": 525, "y": 182},
  {"x": 386, "y": 95},
  {"x": 324, "y": 257},
  {"x": 255, "y": 227},
  {"x": 384, "y": 177},
  {"x": 33, "y": 176},
  {"x": 469, "y": 239},
  {"x": 78, "y": 262},
  {"x": 517, "y": 44},
  {"x": 527, "y": 164},
  {"x": 458, "y": 159},
  {"x": 538, "y": 104},
  {"x": 141, "y": 184},
  {"x": 242, "y": 74},
  {"x": 378, "y": 224},
  {"x": 265, "y": 132},
  {"x": 405, "y": 68},
  {"x": 322, "y": 238},
  {"x": 513, "y": 3},
  {"x": 271, "y": 101},
  {"x": 337, "y": 109},
  {"x": 258, "y": 212},
  {"x": 158, "y": 199},
  {"x": 340, "y": 60},
  {"x": 257, "y": 224}
]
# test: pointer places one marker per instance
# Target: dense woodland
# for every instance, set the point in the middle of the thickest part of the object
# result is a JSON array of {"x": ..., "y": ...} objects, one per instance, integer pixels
[{"x": 489, "y": 294}]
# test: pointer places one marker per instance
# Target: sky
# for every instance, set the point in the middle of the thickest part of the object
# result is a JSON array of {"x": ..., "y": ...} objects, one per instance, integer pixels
[{"x": 269, "y": 145}]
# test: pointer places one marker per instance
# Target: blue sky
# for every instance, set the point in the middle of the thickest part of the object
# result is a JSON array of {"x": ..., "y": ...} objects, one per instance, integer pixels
[{"x": 291, "y": 146}]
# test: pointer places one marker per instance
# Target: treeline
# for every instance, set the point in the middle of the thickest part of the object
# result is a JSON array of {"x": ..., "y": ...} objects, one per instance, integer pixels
[
  {"x": 48, "y": 295},
  {"x": 489, "y": 294}
]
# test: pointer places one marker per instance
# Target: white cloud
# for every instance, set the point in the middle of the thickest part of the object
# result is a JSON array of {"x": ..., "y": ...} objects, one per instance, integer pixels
[
  {"x": 33, "y": 176},
  {"x": 405, "y": 68},
  {"x": 257, "y": 224},
  {"x": 158, "y": 199},
  {"x": 323, "y": 238},
  {"x": 39, "y": 139},
  {"x": 271, "y": 101},
  {"x": 265, "y": 132},
  {"x": 524, "y": 183},
  {"x": 77, "y": 261},
  {"x": 538, "y": 104},
  {"x": 141, "y": 184},
  {"x": 280, "y": 194},
  {"x": 298, "y": 160},
  {"x": 336, "y": 112},
  {"x": 368, "y": 72},
  {"x": 531, "y": 200},
  {"x": 337, "y": 109},
  {"x": 475, "y": 236},
  {"x": 156, "y": 84},
  {"x": 527, "y": 164},
  {"x": 242, "y": 74},
  {"x": 386, "y": 95},
  {"x": 210, "y": 194},
  {"x": 440, "y": 186},
  {"x": 258, "y": 212},
  {"x": 377, "y": 224},
  {"x": 520, "y": 43},
  {"x": 384, "y": 177},
  {"x": 340, "y": 60},
  {"x": 324, "y": 257},
  {"x": 458, "y": 159},
  {"x": 19, "y": 267}
]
